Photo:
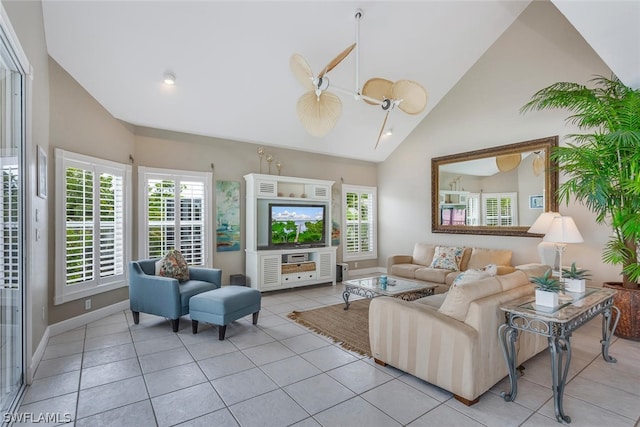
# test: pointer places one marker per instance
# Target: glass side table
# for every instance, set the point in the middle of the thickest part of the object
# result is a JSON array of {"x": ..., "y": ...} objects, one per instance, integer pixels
[{"x": 557, "y": 324}]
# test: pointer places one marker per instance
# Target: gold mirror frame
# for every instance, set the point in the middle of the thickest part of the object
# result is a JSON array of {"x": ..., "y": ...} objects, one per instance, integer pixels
[{"x": 550, "y": 186}]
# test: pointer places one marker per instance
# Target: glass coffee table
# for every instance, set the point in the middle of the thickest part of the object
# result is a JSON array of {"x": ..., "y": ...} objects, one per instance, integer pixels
[{"x": 398, "y": 287}]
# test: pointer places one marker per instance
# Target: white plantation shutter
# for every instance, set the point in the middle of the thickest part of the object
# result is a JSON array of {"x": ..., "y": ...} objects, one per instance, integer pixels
[
  {"x": 500, "y": 209},
  {"x": 359, "y": 219},
  {"x": 111, "y": 225},
  {"x": 92, "y": 239},
  {"x": 187, "y": 228},
  {"x": 473, "y": 209},
  {"x": 10, "y": 201},
  {"x": 79, "y": 226}
]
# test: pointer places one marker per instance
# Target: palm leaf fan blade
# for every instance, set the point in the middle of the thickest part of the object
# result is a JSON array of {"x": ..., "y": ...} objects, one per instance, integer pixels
[
  {"x": 301, "y": 71},
  {"x": 318, "y": 114},
  {"x": 377, "y": 88},
  {"x": 338, "y": 59},
  {"x": 412, "y": 94},
  {"x": 384, "y": 123}
]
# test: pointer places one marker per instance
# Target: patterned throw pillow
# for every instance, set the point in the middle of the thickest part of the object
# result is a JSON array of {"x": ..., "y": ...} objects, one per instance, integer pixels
[
  {"x": 475, "y": 274},
  {"x": 447, "y": 257},
  {"x": 173, "y": 265}
]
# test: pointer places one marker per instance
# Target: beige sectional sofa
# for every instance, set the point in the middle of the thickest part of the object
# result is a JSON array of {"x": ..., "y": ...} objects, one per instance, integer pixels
[
  {"x": 417, "y": 265},
  {"x": 451, "y": 340}
]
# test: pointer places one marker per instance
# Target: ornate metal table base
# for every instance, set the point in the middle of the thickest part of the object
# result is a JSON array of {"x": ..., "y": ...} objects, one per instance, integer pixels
[
  {"x": 559, "y": 337},
  {"x": 410, "y": 295}
]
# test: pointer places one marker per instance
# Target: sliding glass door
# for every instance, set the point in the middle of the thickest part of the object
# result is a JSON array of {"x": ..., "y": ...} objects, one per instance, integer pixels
[{"x": 12, "y": 204}]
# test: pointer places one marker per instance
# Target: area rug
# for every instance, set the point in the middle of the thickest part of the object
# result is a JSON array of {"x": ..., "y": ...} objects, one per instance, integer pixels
[{"x": 349, "y": 328}]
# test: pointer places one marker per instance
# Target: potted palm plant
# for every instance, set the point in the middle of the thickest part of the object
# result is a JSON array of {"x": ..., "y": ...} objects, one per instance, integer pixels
[
  {"x": 575, "y": 278},
  {"x": 547, "y": 288},
  {"x": 602, "y": 169}
]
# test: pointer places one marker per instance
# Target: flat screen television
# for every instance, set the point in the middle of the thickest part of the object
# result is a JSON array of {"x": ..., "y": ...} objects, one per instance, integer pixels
[{"x": 296, "y": 225}]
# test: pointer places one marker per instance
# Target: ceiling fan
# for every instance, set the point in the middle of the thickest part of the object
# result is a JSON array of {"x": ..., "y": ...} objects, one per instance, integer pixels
[{"x": 319, "y": 110}]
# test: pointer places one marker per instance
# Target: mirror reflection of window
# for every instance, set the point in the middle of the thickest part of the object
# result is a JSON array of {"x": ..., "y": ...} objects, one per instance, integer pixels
[{"x": 515, "y": 172}]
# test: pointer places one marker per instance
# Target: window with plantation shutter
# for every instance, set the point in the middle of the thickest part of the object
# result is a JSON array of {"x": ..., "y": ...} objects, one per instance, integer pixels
[
  {"x": 10, "y": 205},
  {"x": 359, "y": 222},
  {"x": 499, "y": 209},
  {"x": 177, "y": 208},
  {"x": 92, "y": 243}
]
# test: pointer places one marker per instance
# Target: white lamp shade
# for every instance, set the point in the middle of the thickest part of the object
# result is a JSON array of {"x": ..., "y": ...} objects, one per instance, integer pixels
[
  {"x": 542, "y": 224},
  {"x": 563, "y": 230}
]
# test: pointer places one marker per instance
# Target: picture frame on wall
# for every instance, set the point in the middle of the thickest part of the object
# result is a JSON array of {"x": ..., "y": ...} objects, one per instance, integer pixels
[
  {"x": 536, "y": 202},
  {"x": 42, "y": 173}
]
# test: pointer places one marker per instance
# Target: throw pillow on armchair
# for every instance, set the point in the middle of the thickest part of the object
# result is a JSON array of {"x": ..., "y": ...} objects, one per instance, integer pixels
[{"x": 173, "y": 265}]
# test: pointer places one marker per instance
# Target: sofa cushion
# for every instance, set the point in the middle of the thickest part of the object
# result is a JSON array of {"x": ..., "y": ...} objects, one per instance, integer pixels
[
  {"x": 447, "y": 257},
  {"x": 481, "y": 257},
  {"x": 436, "y": 275},
  {"x": 513, "y": 280},
  {"x": 433, "y": 301},
  {"x": 423, "y": 254},
  {"x": 404, "y": 270},
  {"x": 456, "y": 303},
  {"x": 174, "y": 265},
  {"x": 464, "y": 262},
  {"x": 505, "y": 269}
]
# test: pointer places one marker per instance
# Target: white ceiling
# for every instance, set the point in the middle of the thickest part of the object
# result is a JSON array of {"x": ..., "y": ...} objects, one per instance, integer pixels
[{"x": 231, "y": 59}]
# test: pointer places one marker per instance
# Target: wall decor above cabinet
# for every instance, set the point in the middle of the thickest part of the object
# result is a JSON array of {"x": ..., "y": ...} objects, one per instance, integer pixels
[{"x": 488, "y": 191}]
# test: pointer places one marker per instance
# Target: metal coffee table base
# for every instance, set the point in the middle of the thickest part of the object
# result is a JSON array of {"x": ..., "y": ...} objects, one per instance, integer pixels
[{"x": 411, "y": 295}]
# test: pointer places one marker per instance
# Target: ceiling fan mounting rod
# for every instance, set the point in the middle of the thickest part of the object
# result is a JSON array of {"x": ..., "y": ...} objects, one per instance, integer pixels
[
  {"x": 358, "y": 15},
  {"x": 357, "y": 95}
]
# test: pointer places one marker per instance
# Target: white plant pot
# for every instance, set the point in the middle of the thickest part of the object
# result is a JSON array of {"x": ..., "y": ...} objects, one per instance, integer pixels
[
  {"x": 574, "y": 285},
  {"x": 547, "y": 299}
]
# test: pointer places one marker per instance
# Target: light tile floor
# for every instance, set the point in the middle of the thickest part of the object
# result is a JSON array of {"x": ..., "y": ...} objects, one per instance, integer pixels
[{"x": 115, "y": 373}]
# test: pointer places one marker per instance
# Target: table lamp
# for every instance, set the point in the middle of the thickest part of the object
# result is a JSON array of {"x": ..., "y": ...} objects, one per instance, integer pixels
[
  {"x": 546, "y": 250},
  {"x": 562, "y": 231}
]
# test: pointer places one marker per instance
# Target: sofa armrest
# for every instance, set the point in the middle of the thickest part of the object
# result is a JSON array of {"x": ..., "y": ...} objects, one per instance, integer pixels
[
  {"x": 398, "y": 259},
  {"x": 153, "y": 294},
  {"x": 419, "y": 340},
  {"x": 211, "y": 275}
]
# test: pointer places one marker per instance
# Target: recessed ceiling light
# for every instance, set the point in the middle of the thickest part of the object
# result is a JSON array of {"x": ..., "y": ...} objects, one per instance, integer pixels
[
  {"x": 169, "y": 78},
  {"x": 389, "y": 132}
]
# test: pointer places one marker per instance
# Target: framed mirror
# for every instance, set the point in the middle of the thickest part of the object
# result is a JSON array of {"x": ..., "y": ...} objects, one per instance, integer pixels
[{"x": 498, "y": 191}]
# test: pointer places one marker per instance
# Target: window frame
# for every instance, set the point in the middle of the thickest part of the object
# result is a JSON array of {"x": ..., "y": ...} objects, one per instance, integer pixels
[
  {"x": 360, "y": 255},
  {"x": 513, "y": 203},
  {"x": 65, "y": 159},
  {"x": 146, "y": 173}
]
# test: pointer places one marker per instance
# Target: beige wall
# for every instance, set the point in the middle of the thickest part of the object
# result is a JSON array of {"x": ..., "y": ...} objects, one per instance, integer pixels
[
  {"x": 232, "y": 160},
  {"x": 482, "y": 111},
  {"x": 81, "y": 125},
  {"x": 26, "y": 19}
]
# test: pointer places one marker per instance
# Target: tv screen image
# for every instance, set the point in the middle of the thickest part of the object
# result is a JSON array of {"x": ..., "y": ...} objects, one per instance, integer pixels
[{"x": 292, "y": 224}]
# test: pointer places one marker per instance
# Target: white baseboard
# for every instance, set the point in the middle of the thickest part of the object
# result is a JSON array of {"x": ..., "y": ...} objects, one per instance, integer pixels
[
  {"x": 68, "y": 325},
  {"x": 371, "y": 271}
]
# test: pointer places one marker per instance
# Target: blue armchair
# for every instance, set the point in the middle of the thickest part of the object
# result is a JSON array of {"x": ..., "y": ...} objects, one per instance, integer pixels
[{"x": 164, "y": 296}]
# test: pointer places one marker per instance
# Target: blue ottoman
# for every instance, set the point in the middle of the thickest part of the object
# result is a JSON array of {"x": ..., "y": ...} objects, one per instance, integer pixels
[{"x": 224, "y": 305}]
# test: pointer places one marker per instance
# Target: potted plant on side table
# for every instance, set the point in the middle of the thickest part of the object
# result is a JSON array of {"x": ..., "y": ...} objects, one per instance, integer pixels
[
  {"x": 603, "y": 173},
  {"x": 575, "y": 278},
  {"x": 547, "y": 288}
]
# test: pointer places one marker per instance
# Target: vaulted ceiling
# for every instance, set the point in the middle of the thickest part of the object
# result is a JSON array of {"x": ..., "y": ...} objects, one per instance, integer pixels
[{"x": 231, "y": 59}]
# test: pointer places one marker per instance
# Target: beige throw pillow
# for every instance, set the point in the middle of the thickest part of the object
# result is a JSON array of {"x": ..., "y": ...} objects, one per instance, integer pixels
[{"x": 456, "y": 304}]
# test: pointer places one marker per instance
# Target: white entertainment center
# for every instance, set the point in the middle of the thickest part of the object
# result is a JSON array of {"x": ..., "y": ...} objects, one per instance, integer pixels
[{"x": 272, "y": 267}]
